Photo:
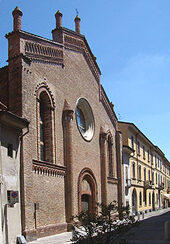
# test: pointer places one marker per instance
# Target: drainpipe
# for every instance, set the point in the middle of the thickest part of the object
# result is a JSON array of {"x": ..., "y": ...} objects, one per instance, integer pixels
[
  {"x": 22, "y": 200},
  {"x": 20, "y": 137}
]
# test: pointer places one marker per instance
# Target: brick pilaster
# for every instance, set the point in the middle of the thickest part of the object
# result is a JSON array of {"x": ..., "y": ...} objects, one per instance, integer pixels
[
  {"x": 103, "y": 161},
  {"x": 68, "y": 159}
]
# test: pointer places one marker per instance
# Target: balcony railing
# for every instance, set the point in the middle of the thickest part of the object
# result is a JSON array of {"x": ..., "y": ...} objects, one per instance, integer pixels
[
  {"x": 148, "y": 184},
  {"x": 161, "y": 186}
]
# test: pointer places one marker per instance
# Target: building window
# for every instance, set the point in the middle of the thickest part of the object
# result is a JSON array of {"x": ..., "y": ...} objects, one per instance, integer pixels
[
  {"x": 145, "y": 194},
  {"x": 133, "y": 168},
  {"x": 140, "y": 198},
  {"x": 126, "y": 173},
  {"x": 149, "y": 198},
  {"x": 138, "y": 148},
  {"x": 152, "y": 157},
  {"x": 132, "y": 142},
  {"x": 139, "y": 171},
  {"x": 148, "y": 156},
  {"x": 85, "y": 119},
  {"x": 143, "y": 152},
  {"x": 152, "y": 177},
  {"x": 156, "y": 179},
  {"x": 81, "y": 121},
  {"x": 144, "y": 174},
  {"x": 45, "y": 118},
  {"x": 10, "y": 150},
  {"x": 42, "y": 132},
  {"x": 149, "y": 175},
  {"x": 155, "y": 161}
]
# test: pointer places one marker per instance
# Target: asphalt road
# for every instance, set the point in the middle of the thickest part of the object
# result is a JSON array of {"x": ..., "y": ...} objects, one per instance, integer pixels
[{"x": 150, "y": 231}]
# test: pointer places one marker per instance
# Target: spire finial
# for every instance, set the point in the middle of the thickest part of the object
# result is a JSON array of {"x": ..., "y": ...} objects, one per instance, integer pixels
[
  {"x": 17, "y": 14},
  {"x": 77, "y": 13},
  {"x": 77, "y": 22}
]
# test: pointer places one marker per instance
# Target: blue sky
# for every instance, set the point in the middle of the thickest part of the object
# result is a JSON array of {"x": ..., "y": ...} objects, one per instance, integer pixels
[{"x": 131, "y": 40}]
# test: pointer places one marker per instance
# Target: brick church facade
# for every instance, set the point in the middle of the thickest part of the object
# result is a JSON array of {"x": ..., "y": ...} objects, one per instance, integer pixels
[{"x": 71, "y": 157}]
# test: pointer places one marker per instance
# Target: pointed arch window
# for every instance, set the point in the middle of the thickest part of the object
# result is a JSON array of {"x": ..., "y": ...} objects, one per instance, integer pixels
[{"x": 45, "y": 126}]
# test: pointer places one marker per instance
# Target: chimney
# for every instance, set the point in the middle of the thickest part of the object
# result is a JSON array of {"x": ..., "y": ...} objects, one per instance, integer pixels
[
  {"x": 58, "y": 17},
  {"x": 77, "y": 24},
  {"x": 17, "y": 14}
]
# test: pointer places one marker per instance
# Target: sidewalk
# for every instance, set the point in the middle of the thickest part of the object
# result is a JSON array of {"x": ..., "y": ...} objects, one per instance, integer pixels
[
  {"x": 63, "y": 238},
  {"x": 151, "y": 231}
]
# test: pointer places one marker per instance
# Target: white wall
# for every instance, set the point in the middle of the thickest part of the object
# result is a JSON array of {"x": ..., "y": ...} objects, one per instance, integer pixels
[
  {"x": 126, "y": 163},
  {"x": 10, "y": 170}
]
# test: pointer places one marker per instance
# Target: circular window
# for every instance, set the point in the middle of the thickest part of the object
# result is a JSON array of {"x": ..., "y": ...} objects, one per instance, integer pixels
[{"x": 85, "y": 119}]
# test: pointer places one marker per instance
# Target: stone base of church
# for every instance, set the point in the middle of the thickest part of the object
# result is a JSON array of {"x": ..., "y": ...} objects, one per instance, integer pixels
[{"x": 43, "y": 231}]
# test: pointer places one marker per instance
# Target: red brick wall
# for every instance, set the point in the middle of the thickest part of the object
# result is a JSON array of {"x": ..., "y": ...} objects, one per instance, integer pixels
[
  {"x": 73, "y": 80},
  {"x": 4, "y": 85}
]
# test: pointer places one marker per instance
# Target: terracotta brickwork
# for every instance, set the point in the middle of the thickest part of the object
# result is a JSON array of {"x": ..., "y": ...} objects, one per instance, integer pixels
[
  {"x": 66, "y": 70},
  {"x": 4, "y": 85}
]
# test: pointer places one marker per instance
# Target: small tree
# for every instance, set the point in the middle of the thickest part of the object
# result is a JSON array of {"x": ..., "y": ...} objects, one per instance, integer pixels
[{"x": 104, "y": 227}]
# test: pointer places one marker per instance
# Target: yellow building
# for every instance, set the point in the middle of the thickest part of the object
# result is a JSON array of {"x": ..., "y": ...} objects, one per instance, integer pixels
[{"x": 148, "y": 182}]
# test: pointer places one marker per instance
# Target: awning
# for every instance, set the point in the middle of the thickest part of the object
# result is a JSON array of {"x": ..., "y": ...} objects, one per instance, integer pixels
[{"x": 167, "y": 196}]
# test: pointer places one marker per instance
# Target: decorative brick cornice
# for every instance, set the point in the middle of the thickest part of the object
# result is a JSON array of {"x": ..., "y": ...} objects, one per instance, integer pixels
[
  {"x": 108, "y": 106},
  {"x": 45, "y": 168},
  {"x": 35, "y": 48},
  {"x": 73, "y": 43},
  {"x": 43, "y": 54}
]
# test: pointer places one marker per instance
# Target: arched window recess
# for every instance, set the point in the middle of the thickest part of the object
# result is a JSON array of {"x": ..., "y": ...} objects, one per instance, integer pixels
[{"x": 45, "y": 125}]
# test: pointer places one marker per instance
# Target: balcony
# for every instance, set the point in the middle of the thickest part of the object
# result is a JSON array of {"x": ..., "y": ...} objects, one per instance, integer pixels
[
  {"x": 161, "y": 186},
  {"x": 128, "y": 183},
  {"x": 148, "y": 184}
]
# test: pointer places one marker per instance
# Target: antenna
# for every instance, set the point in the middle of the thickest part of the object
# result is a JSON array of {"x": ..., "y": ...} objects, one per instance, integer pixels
[{"x": 77, "y": 13}]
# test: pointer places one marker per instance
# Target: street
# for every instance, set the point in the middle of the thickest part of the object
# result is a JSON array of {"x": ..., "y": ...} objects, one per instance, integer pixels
[{"x": 150, "y": 231}]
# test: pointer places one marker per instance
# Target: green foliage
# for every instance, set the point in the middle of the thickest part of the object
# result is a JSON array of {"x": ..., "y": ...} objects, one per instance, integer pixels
[{"x": 104, "y": 227}]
